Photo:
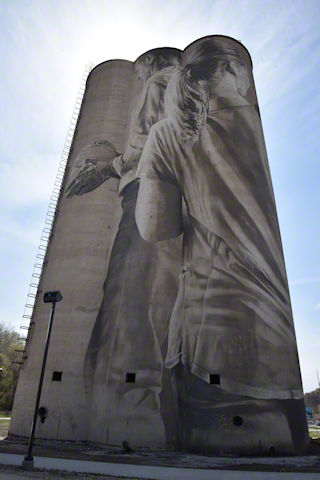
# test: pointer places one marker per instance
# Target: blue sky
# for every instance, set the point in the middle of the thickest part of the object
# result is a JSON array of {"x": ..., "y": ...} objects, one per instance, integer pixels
[{"x": 44, "y": 48}]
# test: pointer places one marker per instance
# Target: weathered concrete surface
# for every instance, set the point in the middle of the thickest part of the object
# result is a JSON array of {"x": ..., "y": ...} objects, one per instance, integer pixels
[
  {"x": 243, "y": 347},
  {"x": 76, "y": 264}
]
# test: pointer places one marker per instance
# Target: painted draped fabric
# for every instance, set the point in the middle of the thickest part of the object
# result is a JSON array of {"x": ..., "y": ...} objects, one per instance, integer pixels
[
  {"x": 131, "y": 329},
  {"x": 232, "y": 316}
]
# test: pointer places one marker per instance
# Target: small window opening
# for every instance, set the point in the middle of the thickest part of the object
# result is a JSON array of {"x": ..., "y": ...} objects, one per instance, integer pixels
[
  {"x": 130, "y": 378},
  {"x": 56, "y": 376},
  {"x": 215, "y": 379},
  {"x": 237, "y": 421}
]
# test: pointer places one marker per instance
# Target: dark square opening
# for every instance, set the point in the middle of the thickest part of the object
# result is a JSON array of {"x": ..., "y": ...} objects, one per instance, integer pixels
[
  {"x": 130, "y": 378},
  {"x": 56, "y": 376},
  {"x": 214, "y": 379}
]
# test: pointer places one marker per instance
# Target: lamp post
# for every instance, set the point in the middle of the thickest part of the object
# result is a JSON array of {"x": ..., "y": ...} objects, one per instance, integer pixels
[{"x": 49, "y": 297}]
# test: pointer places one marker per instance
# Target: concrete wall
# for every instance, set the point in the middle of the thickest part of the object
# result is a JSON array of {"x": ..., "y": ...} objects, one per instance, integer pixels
[
  {"x": 76, "y": 264},
  {"x": 110, "y": 339}
]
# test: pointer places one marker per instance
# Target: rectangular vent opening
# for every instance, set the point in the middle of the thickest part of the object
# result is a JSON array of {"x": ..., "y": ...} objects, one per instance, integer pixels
[
  {"x": 214, "y": 379},
  {"x": 56, "y": 376},
  {"x": 130, "y": 378}
]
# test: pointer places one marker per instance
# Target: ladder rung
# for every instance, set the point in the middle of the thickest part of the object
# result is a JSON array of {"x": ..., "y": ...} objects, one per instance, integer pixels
[
  {"x": 24, "y": 327},
  {"x": 57, "y": 192}
]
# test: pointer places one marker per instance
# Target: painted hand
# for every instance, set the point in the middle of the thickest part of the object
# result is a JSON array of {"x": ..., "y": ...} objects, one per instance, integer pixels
[{"x": 90, "y": 175}]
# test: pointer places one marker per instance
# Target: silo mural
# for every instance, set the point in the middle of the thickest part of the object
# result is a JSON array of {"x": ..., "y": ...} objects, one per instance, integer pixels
[{"x": 176, "y": 328}]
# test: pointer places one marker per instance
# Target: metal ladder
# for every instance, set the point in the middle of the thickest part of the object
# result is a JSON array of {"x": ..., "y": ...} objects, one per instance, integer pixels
[{"x": 27, "y": 321}]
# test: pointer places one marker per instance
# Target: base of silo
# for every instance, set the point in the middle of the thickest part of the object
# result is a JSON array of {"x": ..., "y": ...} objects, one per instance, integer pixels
[{"x": 99, "y": 459}]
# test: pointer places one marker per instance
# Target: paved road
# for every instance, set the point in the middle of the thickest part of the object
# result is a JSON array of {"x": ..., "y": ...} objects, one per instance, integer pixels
[
  {"x": 141, "y": 472},
  {"x": 9, "y": 473}
]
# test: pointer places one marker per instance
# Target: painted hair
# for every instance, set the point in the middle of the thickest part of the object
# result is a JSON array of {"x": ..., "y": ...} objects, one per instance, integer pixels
[
  {"x": 160, "y": 58},
  {"x": 187, "y": 94}
]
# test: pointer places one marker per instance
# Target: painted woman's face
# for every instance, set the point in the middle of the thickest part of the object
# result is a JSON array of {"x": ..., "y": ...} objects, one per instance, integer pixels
[
  {"x": 230, "y": 73},
  {"x": 243, "y": 81}
]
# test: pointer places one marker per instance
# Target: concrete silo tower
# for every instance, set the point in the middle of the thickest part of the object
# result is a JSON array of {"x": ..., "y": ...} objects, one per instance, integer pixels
[{"x": 166, "y": 247}]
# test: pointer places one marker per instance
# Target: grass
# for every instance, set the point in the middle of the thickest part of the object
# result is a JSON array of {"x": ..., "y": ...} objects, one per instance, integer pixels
[
  {"x": 4, "y": 427},
  {"x": 5, "y": 413}
]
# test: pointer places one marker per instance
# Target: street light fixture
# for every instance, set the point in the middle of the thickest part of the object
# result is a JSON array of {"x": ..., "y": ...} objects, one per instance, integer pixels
[{"x": 49, "y": 297}]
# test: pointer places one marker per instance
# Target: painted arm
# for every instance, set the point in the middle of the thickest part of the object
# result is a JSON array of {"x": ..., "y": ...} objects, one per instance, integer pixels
[
  {"x": 158, "y": 210},
  {"x": 149, "y": 110}
]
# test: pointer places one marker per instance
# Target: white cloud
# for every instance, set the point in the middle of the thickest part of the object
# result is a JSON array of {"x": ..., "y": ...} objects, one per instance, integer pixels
[
  {"x": 13, "y": 232},
  {"x": 304, "y": 281},
  {"x": 28, "y": 179},
  {"x": 317, "y": 306},
  {"x": 309, "y": 353},
  {"x": 11, "y": 318}
]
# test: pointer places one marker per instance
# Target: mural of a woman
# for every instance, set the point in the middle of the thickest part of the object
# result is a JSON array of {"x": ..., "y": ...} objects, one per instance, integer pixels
[
  {"x": 232, "y": 346},
  {"x": 125, "y": 353}
]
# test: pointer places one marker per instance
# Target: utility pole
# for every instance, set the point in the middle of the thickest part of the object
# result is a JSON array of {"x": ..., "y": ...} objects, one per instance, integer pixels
[{"x": 53, "y": 298}]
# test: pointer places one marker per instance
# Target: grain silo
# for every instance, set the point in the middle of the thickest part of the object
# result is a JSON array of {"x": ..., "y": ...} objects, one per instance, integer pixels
[{"x": 106, "y": 379}]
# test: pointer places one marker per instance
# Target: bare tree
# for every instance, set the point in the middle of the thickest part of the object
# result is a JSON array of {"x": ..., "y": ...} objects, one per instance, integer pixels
[{"x": 9, "y": 343}]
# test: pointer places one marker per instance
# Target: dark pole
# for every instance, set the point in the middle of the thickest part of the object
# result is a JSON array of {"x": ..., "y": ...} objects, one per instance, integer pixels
[{"x": 28, "y": 459}]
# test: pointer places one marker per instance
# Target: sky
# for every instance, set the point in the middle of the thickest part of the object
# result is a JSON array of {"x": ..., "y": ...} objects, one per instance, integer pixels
[{"x": 44, "y": 47}]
